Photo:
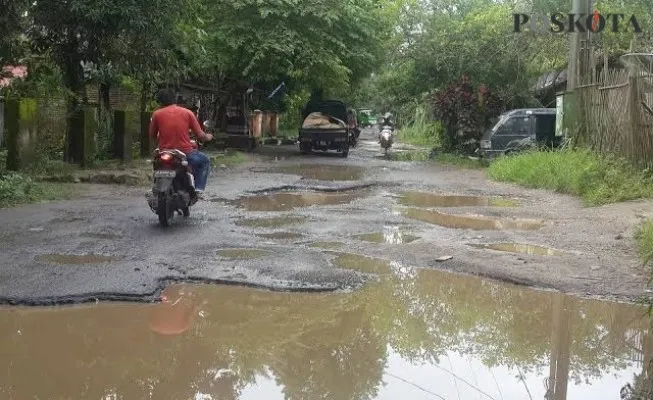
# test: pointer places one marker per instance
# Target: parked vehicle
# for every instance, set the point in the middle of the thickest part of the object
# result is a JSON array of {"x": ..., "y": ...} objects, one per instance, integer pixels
[
  {"x": 173, "y": 188},
  {"x": 520, "y": 129},
  {"x": 326, "y": 127},
  {"x": 366, "y": 118}
]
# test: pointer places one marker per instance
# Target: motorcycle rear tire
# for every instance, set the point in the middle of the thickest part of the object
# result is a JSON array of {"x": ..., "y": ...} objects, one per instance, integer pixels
[{"x": 164, "y": 210}]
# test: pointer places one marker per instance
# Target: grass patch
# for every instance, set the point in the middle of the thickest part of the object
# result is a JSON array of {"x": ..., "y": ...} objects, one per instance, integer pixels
[
  {"x": 426, "y": 135},
  {"x": 644, "y": 239},
  {"x": 20, "y": 189},
  {"x": 459, "y": 161},
  {"x": 421, "y": 130},
  {"x": 597, "y": 180}
]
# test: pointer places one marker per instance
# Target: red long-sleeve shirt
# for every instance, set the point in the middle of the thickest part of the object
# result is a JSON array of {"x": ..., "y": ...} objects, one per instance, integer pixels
[{"x": 172, "y": 124}]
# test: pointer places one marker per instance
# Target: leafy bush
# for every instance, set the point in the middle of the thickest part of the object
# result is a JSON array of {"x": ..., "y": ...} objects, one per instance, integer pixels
[
  {"x": 596, "y": 179},
  {"x": 464, "y": 111}
]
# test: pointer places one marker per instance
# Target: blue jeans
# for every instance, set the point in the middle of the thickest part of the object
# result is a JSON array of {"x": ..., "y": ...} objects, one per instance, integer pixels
[{"x": 201, "y": 166}]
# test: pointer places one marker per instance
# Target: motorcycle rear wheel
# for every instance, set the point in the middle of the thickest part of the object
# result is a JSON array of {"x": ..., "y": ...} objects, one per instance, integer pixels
[{"x": 164, "y": 210}]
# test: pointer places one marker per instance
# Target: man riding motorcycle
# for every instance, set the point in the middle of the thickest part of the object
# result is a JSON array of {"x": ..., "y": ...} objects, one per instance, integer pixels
[
  {"x": 171, "y": 124},
  {"x": 386, "y": 120}
]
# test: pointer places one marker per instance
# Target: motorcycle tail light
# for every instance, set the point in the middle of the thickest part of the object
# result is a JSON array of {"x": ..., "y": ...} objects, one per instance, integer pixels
[{"x": 166, "y": 158}]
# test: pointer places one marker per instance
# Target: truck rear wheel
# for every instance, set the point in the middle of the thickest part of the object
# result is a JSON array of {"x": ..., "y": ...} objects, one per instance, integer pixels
[
  {"x": 304, "y": 148},
  {"x": 345, "y": 150}
]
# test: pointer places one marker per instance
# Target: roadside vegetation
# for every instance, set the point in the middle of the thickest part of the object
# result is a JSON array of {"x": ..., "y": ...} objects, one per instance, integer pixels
[
  {"x": 21, "y": 189},
  {"x": 596, "y": 179},
  {"x": 644, "y": 238}
]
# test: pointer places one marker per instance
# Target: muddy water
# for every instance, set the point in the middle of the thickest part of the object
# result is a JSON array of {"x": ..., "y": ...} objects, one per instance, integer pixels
[
  {"x": 324, "y": 172},
  {"x": 327, "y": 245},
  {"x": 469, "y": 221},
  {"x": 74, "y": 259},
  {"x": 289, "y": 201},
  {"x": 521, "y": 249},
  {"x": 274, "y": 222},
  {"x": 390, "y": 235},
  {"x": 281, "y": 235},
  {"x": 414, "y": 335},
  {"x": 426, "y": 200}
]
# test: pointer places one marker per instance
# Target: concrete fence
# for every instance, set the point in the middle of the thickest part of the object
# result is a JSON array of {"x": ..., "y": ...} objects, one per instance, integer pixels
[{"x": 26, "y": 127}]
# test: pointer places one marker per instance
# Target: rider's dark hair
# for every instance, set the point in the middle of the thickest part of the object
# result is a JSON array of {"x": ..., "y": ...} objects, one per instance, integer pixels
[{"x": 166, "y": 97}]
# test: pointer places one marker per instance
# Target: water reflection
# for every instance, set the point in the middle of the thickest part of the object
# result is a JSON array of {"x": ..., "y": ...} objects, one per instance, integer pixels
[{"x": 414, "y": 333}]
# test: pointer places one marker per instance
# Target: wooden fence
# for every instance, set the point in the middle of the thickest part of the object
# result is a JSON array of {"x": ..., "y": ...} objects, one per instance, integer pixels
[{"x": 616, "y": 116}]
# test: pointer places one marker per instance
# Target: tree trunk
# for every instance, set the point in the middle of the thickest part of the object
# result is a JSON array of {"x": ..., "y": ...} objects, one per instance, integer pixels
[{"x": 145, "y": 91}]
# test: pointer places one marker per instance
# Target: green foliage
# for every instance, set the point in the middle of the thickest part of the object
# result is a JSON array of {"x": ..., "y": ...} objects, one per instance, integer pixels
[
  {"x": 421, "y": 130},
  {"x": 644, "y": 238},
  {"x": 17, "y": 189},
  {"x": 598, "y": 180}
]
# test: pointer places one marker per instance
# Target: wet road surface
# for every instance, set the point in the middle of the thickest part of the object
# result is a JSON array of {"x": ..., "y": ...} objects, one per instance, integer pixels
[{"x": 108, "y": 245}]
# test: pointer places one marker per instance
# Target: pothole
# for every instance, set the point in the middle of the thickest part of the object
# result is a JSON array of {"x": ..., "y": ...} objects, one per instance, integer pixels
[
  {"x": 361, "y": 263},
  {"x": 274, "y": 222},
  {"x": 520, "y": 249},
  {"x": 426, "y": 200},
  {"x": 281, "y": 235},
  {"x": 289, "y": 201},
  {"x": 243, "y": 254},
  {"x": 75, "y": 259},
  {"x": 470, "y": 222},
  {"x": 327, "y": 245},
  {"x": 390, "y": 235},
  {"x": 323, "y": 172}
]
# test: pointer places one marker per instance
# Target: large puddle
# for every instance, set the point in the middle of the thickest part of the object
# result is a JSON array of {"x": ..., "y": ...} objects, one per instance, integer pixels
[
  {"x": 323, "y": 172},
  {"x": 273, "y": 222},
  {"x": 75, "y": 259},
  {"x": 427, "y": 200},
  {"x": 418, "y": 334},
  {"x": 281, "y": 235},
  {"x": 289, "y": 201},
  {"x": 479, "y": 223}
]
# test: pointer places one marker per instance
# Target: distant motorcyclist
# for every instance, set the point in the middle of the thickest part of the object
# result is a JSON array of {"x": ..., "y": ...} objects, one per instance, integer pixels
[{"x": 386, "y": 120}]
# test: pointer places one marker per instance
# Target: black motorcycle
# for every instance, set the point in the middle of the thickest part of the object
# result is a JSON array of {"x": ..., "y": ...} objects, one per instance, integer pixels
[{"x": 173, "y": 190}]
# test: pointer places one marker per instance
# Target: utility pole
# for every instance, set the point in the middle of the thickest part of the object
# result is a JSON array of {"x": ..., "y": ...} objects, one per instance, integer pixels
[
  {"x": 580, "y": 47},
  {"x": 574, "y": 47}
]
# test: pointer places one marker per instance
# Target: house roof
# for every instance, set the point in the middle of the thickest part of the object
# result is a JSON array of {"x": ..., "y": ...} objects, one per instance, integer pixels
[{"x": 550, "y": 79}]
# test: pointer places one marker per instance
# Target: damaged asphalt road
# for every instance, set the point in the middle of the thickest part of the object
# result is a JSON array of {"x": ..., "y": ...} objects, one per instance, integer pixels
[{"x": 107, "y": 244}]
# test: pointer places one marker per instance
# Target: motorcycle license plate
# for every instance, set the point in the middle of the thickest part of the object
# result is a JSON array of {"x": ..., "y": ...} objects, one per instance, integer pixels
[
  {"x": 165, "y": 174},
  {"x": 323, "y": 143}
]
